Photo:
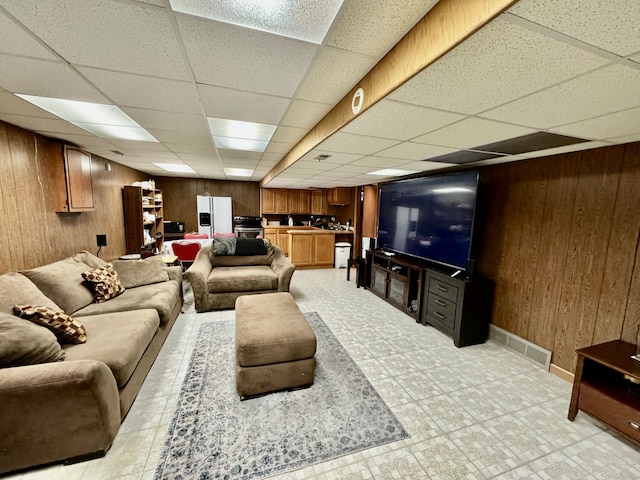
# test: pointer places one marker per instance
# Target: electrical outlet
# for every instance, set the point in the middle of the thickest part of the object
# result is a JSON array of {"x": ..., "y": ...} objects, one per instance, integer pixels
[{"x": 101, "y": 240}]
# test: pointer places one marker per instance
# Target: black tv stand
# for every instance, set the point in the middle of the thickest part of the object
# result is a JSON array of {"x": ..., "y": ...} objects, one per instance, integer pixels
[{"x": 444, "y": 299}]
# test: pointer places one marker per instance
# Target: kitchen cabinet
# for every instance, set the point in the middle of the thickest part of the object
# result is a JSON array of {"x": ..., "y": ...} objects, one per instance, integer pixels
[
  {"x": 339, "y": 196},
  {"x": 268, "y": 200},
  {"x": 311, "y": 248},
  {"x": 298, "y": 201},
  {"x": 73, "y": 182},
  {"x": 281, "y": 201},
  {"x": 143, "y": 210},
  {"x": 318, "y": 202}
]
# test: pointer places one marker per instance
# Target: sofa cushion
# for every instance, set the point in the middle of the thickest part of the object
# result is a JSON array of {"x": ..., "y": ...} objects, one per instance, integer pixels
[
  {"x": 116, "y": 339},
  {"x": 62, "y": 281},
  {"x": 15, "y": 289},
  {"x": 25, "y": 343},
  {"x": 65, "y": 328},
  {"x": 162, "y": 297},
  {"x": 135, "y": 273},
  {"x": 242, "y": 279},
  {"x": 105, "y": 282}
]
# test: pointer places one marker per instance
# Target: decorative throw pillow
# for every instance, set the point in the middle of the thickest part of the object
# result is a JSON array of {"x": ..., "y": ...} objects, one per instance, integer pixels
[
  {"x": 65, "y": 328},
  {"x": 105, "y": 282},
  {"x": 251, "y": 246},
  {"x": 24, "y": 343}
]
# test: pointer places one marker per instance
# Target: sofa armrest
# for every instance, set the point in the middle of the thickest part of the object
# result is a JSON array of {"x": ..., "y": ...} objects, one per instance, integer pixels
[
  {"x": 283, "y": 268},
  {"x": 175, "y": 273},
  {"x": 198, "y": 276},
  {"x": 56, "y": 411}
]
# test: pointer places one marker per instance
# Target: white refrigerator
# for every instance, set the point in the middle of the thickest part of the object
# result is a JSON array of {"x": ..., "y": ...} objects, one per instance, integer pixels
[{"x": 214, "y": 215}]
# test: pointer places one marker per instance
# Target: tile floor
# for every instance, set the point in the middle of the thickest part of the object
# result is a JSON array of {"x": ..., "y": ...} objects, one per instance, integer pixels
[{"x": 478, "y": 412}]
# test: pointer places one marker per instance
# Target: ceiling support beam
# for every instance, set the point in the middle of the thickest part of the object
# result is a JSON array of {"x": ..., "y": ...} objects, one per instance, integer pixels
[{"x": 446, "y": 25}]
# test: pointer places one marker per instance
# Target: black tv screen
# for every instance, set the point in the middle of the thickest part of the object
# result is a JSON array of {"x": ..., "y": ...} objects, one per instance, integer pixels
[{"x": 429, "y": 217}]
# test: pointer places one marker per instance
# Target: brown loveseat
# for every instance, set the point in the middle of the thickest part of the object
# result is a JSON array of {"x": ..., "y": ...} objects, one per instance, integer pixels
[
  {"x": 217, "y": 280},
  {"x": 66, "y": 402}
]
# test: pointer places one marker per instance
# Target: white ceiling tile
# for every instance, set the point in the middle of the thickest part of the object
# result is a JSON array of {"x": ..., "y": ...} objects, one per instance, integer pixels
[
  {"x": 180, "y": 122},
  {"x": 188, "y": 148},
  {"x": 333, "y": 74},
  {"x": 611, "y": 25},
  {"x": 353, "y": 169},
  {"x": 339, "y": 158},
  {"x": 473, "y": 132},
  {"x": 349, "y": 143},
  {"x": 88, "y": 141},
  {"x": 271, "y": 157},
  {"x": 379, "y": 162},
  {"x": 289, "y": 134},
  {"x": 233, "y": 104},
  {"x": 145, "y": 92},
  {"x": 18, "y": 42},
  {"x": 304, "y": 114},
  {"x": 500, "y": 63},
  {"x": 400, "y": 121},
  {"x": 310, "y": 165},
  {"x": 625, "y": 139},
  {"x": 389, "y": 20},
  {"x": 25, "y": 75},
  {"x": 234, "y": 57},
  {"x": 226, "y": 154},
  {"x": 278, "y": 147},
  {"x": 50, "y": 125},
  {"x": 427, "y": 166},
  {"x": 12, "y": 104},
  {"x": 616, "y": 124},
  {"x": 575, "y": 100},
  {"x": 197, "y": 157},
  {"x": 97, "y": 33},
  {"x": 414, "y": 151},
  {"x": 173, "y": 136},
  {"x": 570, "y": 148}
]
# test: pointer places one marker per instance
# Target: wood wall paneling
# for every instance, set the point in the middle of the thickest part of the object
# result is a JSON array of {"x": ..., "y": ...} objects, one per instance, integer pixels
[{"x": 32, "y": 233}]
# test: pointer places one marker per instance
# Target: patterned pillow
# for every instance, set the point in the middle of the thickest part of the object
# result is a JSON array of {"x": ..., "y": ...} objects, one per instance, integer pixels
[
  {"x": 65, "y": 328},
  {"x": 105, "y": 282}
]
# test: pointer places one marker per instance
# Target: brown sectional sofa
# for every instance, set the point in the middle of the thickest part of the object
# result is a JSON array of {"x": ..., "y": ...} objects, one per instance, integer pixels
[
  {"x": 218, "y": 280},
  {"x": 71, "y": 410}
]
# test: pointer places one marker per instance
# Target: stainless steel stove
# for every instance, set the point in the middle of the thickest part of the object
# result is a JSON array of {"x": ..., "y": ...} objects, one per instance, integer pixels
[{"x": 247, "y": 226}]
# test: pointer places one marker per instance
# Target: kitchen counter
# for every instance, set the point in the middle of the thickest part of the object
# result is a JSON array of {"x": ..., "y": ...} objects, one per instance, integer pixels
[
  {"x": 316, "y": 231},
  {"x": 313, "y": 248}
]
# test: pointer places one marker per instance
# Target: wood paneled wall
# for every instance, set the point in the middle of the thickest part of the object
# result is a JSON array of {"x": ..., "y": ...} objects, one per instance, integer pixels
[
  {"x": 180, "y": 197},
  {"x": 560, "y": 240},
  {"x": 31, "y": 233}
]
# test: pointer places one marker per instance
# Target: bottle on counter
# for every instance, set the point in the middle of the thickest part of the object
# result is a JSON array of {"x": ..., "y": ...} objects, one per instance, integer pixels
[{"x": 290, "y": 221}]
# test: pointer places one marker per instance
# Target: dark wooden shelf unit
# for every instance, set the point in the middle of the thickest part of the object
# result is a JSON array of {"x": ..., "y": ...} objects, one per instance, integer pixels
[
  {"x": 397, "y": 280},
  {"x": 606, "y": 386},
  {"x": 458, "y": 307},
  {"x": 142, "y": 211}
]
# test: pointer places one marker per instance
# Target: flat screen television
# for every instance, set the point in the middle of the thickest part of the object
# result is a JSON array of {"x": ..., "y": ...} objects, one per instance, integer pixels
[{"x": 429, "y": 217}]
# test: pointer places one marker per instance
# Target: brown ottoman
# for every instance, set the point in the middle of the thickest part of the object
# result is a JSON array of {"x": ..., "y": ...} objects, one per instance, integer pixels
[{"x": 274, "y": 345}]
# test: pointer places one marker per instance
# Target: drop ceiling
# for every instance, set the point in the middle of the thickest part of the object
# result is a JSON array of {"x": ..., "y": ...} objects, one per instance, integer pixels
[{"x": 564, "y": 67}]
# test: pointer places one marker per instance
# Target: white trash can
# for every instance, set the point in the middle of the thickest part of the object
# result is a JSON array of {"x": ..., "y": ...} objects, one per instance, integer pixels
[{"x": 341, "y": 259}]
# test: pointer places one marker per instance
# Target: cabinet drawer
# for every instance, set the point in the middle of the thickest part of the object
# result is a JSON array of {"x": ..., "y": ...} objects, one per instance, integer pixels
[
  {"x": 441, "y": 310},
  {"x": 612, "y": 411},
  {"x": 443, "y": 289}
]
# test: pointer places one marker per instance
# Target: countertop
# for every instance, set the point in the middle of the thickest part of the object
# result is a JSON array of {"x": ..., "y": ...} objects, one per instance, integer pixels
[{"x": 317, "y": 231}]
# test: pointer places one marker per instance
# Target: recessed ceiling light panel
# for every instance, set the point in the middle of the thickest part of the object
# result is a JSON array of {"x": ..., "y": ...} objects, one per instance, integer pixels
[
  {"x": 391, "y": 172},
  {"x": 238, "y": 172},
  {"x": 300, "y": 19},
  {"x": 175, "y": 167},
  {"x": 106, "y": 121}
]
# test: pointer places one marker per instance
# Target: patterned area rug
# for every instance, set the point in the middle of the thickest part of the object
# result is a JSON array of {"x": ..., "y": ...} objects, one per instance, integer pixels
[{"x": 214, "y": 435}]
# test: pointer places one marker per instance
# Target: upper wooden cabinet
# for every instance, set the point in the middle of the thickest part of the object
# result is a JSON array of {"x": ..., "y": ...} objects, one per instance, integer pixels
[
  {"x": 299, "y": 201},
  {"x": 282, "y": 201},
  {"x": 268, "y": 200},
  {"x": 339, "y": 196},
  {"x": 73, "y": 182},
  {"x": 318, "y": 202}
]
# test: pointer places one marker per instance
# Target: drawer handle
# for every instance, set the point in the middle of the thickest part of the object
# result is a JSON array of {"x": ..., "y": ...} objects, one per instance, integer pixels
[
  {"x": 441, "y": 288},
  {"x": 634, "y": 425},
  {"x": 439, "y": 315},
  {"x": 441, "y": 303}
]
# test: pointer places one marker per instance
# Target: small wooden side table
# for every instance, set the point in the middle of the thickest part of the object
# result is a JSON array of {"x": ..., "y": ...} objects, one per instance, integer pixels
[{"x": 607, "y": 387}]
